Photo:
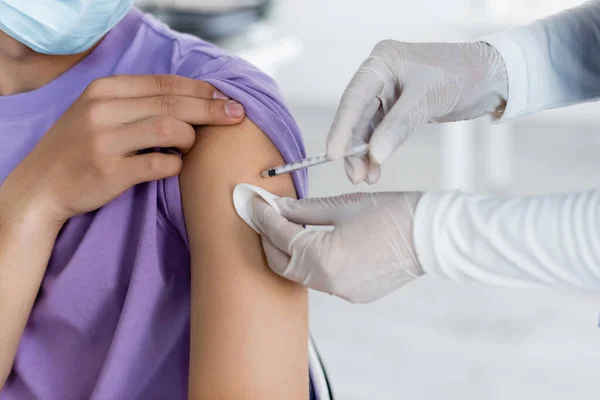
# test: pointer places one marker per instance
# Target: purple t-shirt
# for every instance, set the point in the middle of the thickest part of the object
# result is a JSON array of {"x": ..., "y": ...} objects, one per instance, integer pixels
[{"x": 112, "y": 317}]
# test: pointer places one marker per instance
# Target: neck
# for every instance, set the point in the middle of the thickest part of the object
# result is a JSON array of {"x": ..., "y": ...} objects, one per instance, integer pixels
[{"x": 24, "y": 70}]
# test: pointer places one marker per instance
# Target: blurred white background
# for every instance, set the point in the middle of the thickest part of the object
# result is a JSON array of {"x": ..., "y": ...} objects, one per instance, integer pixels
[{"x": 434, "y": 339}]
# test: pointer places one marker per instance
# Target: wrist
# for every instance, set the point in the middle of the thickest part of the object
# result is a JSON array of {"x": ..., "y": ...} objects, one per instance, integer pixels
[
  {"x": 412, "y": 201},
  {"x": 497, "y": 72},
  {"x": 515, "y": 67},
  {"x": 27, "y": 214}
]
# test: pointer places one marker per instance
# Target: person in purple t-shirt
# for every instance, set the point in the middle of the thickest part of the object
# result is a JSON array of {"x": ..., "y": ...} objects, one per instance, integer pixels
[{"x": 125, "y": 272}]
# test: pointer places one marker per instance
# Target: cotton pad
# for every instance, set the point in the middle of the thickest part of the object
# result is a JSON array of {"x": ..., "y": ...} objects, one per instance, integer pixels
[{"x": 243, "y": 194}]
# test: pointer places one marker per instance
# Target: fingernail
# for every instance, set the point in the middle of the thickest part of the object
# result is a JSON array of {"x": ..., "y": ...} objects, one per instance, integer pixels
[
  {"x": 173, "y": 150},
  {"x": 372, "y": 178},
  {"x": 351, "y": 172},
  {"x": 219, "y": 95},
  {"x": 233, "y": 109}
]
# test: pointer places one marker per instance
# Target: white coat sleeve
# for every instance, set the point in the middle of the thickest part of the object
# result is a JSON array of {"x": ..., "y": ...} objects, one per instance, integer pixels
[
  {"x": 552, "y": 62},
  {"x": 547, "y": 240}
]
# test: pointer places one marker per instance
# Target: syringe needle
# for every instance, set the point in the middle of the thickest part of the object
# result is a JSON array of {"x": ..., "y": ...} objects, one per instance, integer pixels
[{"x": 310, "y": 162}]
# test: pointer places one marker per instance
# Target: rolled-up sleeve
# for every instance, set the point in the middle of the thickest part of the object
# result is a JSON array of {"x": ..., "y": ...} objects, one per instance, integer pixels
[
  {"x": 553, "y": 62},
  {"x": 544, "y": 240}
]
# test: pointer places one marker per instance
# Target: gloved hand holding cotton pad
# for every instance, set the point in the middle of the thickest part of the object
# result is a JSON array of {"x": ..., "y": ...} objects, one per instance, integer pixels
[{"x": 315, "y": 258}]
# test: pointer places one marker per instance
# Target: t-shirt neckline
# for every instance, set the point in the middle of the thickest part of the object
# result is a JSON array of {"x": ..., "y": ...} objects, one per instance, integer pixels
[{"x": 100, "y": 62}]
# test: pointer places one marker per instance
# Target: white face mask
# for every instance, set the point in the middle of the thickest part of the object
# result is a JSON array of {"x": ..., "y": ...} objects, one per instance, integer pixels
[{"x": 60, "y": 26}]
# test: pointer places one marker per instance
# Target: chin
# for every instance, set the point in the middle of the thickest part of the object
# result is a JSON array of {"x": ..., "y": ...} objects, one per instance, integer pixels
[{"x": 13, "y": 49}]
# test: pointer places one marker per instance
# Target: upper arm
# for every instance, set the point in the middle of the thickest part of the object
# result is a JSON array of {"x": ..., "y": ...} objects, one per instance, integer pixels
[{"x": 249, "y": 327}]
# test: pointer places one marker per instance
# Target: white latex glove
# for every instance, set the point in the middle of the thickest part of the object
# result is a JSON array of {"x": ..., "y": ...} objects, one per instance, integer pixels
[
  {"x": 402, "y": 86},
  {"x": 367, "y": 255}
]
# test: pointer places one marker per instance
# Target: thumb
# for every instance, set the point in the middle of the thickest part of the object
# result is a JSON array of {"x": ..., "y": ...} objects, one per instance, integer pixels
[
  {"x": 277, "y": 259},
  {"x": 273, "y": 225}
]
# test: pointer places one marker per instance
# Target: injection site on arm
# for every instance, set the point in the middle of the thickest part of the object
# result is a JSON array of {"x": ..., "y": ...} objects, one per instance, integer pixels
[{"x": 246, "y": 321}]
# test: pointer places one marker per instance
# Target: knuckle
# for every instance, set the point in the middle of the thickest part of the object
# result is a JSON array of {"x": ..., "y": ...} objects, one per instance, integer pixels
[
  {"x": 385, "y": 44},
  {"x": 353, "y": 96},
  {"x": 190, "y": 136},
  {"x": 96, "y": 88},
  {"x": 155, "y": 163},
  {"x": 351, "y": 298},
  {"x": 202, "y": 89},
  {"x": 168, "y": 105},
  {"x": 388, "y": 51},
  {"x": 165, "y": 83},
  {"x": 352, "y": 93},
  {"x": 162, "y": 165},
  {"x": 206, "y": 87},
  {"x": 175, "y": 165},
  {"x": 96, "y": 111},
  {"x": 369, "y": 64},
  {"x": 354, "y": 198},
  {"x": 165, "y": 127},
  {"x": 208, "y": 107}
]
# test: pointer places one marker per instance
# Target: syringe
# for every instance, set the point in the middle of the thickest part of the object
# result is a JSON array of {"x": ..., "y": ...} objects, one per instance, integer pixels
[{"x": 311, "y": 161}]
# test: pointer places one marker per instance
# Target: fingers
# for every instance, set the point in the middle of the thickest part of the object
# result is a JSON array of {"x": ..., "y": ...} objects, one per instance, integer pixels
[
  {"x": 373, "y": 173},
  {"x": 361, "y": 168},
  {"x": 271, "y": 224},
  {"x": 308, "y": 266},
  {"x": 286, "y": 245},
  {"x": 321, "y": 210},
  {"x": 154, "y": 132},
  {"x": 408, "y": 114},
  {"x": 356, "y": 168},
  {"x": 132, "y": 86},
  {"x": 149, "y": 167},
  {"x": 278, "y": 260},
  {"x": 187, "y": 109},
  {"x": 366, "y": 84},
  {"x": 298, "y": 267}
]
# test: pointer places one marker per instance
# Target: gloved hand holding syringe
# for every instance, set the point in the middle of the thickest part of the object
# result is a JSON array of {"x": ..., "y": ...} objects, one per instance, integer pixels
[
  {"x": 398, "y": 88},
  {"x": 322, "y": 158}
]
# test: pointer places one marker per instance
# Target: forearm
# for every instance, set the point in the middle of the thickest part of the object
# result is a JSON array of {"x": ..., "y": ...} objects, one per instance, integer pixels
[
  {"x": 552, "y": 62},
  {"x": 25, "y": 246},
  {"x": 550, "y": 240}
]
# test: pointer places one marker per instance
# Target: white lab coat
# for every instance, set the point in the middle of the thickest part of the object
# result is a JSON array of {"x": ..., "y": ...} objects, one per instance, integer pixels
[{"x": 534, "y": 240}]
